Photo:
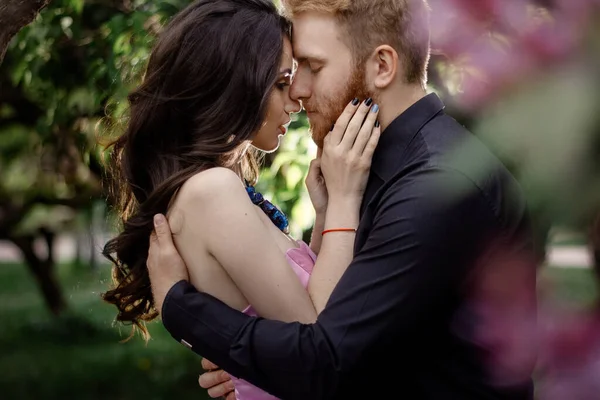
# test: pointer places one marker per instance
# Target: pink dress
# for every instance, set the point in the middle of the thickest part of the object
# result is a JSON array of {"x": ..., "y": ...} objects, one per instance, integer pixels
[{"x": 302, "y": 260}]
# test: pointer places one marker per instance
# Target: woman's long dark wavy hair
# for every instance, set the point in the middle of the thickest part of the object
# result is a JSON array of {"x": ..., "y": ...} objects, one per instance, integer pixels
[{"x": 205, "y": 93}]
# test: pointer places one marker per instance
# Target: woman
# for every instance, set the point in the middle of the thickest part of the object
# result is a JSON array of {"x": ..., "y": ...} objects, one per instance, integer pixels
[{"x": 216, "y": 89}]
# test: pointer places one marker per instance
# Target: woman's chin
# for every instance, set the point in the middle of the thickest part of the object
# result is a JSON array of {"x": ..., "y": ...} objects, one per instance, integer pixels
[{"x": 270, "y": 148}]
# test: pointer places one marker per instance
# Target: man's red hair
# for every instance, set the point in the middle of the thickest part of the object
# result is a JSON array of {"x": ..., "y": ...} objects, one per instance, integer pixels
[{"x": 402, "y": 24}]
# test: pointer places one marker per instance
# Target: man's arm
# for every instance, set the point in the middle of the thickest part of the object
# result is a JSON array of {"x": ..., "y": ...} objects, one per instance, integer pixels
[{"x": 404, "y": 274}]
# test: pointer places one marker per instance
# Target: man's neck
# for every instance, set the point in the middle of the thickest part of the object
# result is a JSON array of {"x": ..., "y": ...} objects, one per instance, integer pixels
[{"x": 394, "y": 102}]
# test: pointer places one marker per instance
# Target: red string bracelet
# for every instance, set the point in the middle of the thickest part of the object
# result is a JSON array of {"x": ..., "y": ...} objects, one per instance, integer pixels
[{"x": 338, "y": 230}]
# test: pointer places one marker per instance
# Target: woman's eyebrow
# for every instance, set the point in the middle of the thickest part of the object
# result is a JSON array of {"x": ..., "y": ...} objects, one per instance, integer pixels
[{"x": 286, "y": 72}]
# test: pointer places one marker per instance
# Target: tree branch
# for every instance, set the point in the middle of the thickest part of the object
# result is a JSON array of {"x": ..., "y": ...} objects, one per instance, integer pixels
[{"x": 14, "y": 15}]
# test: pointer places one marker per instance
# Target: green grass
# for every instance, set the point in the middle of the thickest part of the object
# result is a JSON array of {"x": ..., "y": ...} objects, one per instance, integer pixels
[{"x": 78, "y": 356}]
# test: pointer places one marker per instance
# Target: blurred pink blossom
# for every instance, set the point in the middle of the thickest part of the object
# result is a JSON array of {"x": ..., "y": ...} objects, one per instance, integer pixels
[{"x": 506, "y": 41}]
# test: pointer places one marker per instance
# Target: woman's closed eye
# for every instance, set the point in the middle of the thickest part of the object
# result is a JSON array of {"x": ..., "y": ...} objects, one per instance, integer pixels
[
  {"x": 286, "y": 80},
  {"x": 282, "y": 85}
]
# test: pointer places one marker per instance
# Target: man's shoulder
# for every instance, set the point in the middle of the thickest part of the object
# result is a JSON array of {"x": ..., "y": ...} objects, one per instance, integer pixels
[
  {"x": 453, "y": 149},
  {"x": 434, "y": 183},
  {"x": 454, "y": 166}
]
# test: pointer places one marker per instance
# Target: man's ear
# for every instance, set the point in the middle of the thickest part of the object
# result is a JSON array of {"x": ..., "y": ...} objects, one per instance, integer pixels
[{"x": 382, "y": 66}]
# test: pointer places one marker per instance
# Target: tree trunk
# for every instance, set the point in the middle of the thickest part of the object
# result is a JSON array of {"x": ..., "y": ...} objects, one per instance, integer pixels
[
  {"x": 14, "y": 15},
  {"x": 43, "y": 271}
]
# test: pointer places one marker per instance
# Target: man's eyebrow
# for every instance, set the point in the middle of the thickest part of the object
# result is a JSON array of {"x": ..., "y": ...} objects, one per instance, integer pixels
[{"x": 309, "y": 59}]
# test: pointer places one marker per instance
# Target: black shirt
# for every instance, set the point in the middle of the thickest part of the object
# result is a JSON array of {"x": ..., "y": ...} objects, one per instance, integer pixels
[{"x": 400, "y": 323}]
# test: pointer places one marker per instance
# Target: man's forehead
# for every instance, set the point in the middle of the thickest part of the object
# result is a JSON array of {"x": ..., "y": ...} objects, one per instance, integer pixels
[
  {"x": 306, "y": 52},
  {"x": 314, "y": 36}
]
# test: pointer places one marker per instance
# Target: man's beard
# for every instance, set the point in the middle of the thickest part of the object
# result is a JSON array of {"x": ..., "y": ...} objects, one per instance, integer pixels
[{"x": 330, "y": 109}]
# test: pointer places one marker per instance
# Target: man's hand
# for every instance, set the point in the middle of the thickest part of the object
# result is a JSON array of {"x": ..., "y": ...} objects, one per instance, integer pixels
[
  {"x": 165, "y": 265},
  {"x": 216, "y": 381}
]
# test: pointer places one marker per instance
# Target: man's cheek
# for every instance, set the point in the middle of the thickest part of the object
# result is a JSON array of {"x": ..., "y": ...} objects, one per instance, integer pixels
[
  {"x": 318, "y": 135},
  {"x": 313, "y": 120}
]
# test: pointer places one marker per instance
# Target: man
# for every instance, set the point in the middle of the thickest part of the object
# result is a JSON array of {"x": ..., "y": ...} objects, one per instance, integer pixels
[{"x": 410, "y": 317}]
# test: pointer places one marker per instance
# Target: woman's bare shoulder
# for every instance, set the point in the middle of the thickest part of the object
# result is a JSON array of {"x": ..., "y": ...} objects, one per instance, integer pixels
[
  {"x": 207, "y": 192},
  {"x": 212, "y": 182}
]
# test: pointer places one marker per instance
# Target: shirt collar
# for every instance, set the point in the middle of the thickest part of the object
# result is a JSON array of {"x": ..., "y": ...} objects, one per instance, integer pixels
[{"x": 398, "y": 135}]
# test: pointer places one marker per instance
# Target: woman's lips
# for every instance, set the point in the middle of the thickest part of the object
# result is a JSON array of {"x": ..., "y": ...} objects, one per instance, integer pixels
[{"x": 283, "y": 128}]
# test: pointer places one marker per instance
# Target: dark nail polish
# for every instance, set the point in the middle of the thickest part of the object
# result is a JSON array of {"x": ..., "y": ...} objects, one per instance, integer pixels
[
  {"x": 332, "y": 126},
  {"x": 355, "y": 102},
  {"x": 368, "y": 101},
  {"x": 377, "y": 124},
  {"x": 375, "y": 108}
]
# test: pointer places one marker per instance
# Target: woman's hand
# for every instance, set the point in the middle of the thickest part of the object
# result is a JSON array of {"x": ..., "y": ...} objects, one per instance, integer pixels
[
  {"x": 315, "y": 183},
  {"x": 348, "y": 150},
  {"x": 217, "y": 382}
]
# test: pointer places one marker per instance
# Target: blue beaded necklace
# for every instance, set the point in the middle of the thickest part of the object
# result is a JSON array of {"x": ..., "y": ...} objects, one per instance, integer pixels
[{"x": 276, "y": 216}]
